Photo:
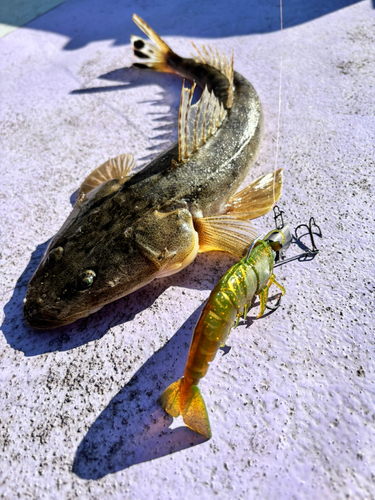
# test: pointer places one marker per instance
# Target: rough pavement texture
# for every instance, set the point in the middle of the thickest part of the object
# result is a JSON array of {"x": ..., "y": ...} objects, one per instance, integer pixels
[{"x": 292, "y": 403}]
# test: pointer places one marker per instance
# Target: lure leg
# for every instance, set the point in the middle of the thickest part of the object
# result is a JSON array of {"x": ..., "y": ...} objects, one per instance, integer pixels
[
  {"x": 273, "y": 280},
  {"x": 263, "y": 295},
  {"x": 237, "y": 320},
  {"x": 235, "y": 324},
  {"x": 245, "y": 311}
]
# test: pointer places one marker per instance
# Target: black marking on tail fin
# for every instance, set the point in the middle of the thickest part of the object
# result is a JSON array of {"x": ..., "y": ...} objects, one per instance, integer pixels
[
  {"x": 140, "y": 66},
  {"x": 140, "y": 54},
  {"x": 157, "y": 54},
  {"x": 152, "y": 56},
  {"x": 139, "y": 44}
]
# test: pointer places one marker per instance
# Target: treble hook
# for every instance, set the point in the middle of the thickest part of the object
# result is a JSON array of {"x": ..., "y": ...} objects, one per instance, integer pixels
[
  {"x": 309, "y": 229},
  {"x": 279, "y": 223}
]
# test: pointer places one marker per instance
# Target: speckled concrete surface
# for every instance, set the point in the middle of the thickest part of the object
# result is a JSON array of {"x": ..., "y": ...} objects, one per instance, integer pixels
[{"x": 292, "y": 403}]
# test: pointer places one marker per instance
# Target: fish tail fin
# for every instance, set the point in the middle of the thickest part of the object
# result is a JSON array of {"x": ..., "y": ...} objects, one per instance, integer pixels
[
  {"x": 257, "y": 199},
  {"x": 154, "y": 57},
  {"x": 183, "y": 398}
]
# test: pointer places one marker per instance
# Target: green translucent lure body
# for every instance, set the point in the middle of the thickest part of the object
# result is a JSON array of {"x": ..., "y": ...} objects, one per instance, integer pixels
[{"x": 231, "y": 297}]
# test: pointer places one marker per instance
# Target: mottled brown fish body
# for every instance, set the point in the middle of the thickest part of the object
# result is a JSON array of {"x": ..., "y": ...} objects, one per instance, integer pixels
[
  {"x": 128, "y": 229},
  {"x": 208, "y": 179}
]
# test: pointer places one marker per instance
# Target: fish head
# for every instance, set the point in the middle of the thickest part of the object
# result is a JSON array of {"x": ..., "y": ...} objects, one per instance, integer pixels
[{"x": 82, "y": 270}]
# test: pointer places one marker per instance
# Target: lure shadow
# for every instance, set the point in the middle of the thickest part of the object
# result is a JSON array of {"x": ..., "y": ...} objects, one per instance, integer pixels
[
  {"x": 133, "y": 428},
  {"x": 35, "y": 342}
]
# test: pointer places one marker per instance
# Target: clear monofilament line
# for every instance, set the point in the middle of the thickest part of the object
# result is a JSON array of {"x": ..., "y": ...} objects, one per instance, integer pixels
[{"x": 279, "y": 111}]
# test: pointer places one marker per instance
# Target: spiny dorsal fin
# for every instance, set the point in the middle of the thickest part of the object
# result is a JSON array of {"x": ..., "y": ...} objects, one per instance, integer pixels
[
  {"x": 115, "y": 168},
  {"x": 199, "y": 122},
  {"x": 220, "y": 62}
]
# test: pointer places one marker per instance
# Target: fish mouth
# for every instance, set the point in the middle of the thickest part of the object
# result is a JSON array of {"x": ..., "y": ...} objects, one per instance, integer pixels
[
  {"x": 44, "y": 323},
  {"x": 41, "y": 319}
]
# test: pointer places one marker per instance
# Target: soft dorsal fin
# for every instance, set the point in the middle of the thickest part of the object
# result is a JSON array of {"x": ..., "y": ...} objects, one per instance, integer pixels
[
  {"x": 115, "y": 168},
  {"x": 199, "y": 122},
  {"x": 258, "y": 198},
  {"x": 218, "y": 61}
]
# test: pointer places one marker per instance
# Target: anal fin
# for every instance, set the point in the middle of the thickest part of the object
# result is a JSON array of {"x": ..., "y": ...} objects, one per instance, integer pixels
[
  {"x": 257, "y": 198},
  {"x": 225, "y": 233},
  {"x": 115, "y": 168}
]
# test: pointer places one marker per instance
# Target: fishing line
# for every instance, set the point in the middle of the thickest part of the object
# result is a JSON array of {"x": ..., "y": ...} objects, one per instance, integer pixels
[{"x": 279, "y": 111}]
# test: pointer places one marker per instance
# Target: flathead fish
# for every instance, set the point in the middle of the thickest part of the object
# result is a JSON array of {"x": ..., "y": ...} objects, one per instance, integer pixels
[{"x": 127, "y": 229}]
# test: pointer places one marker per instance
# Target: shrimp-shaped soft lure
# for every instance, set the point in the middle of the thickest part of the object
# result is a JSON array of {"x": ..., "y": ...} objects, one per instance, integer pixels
[{"x": 230, "y": 298}]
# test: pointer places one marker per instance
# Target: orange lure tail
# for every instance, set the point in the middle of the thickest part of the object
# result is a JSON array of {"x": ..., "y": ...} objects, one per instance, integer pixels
[{"x": 185, "y": 399}]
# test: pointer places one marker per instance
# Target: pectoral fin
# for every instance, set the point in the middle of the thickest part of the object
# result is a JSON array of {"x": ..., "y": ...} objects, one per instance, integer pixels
[
  {"x": 225, "y": 233},
  {"x": 115, "y": 168},
  {"x": 257, "y": 198}
]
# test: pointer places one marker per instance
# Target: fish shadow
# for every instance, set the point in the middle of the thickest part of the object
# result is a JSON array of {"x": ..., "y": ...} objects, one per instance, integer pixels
[
  {"x": 200, "y": 275},
  {"x": 83, "y": 22},
  {"x": 133, "y": 428},
  {"x": 165, "y": 122}
]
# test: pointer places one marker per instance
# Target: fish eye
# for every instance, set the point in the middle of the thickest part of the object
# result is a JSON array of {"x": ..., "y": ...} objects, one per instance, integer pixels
[{"x": 86, "y": 279}]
